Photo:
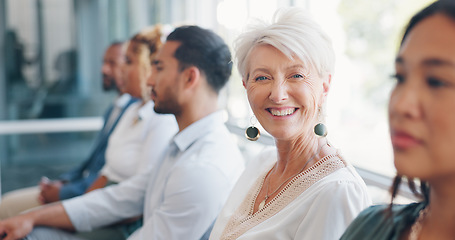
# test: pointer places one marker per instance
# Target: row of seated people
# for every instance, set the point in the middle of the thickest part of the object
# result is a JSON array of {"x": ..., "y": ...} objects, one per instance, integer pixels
[{"x": 194, "y": 185}]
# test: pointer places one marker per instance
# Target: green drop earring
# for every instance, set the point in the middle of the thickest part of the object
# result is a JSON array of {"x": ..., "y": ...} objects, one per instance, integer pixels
[
  {"x": 252, "y": 133},
  {"x": 320, "y": 129}
]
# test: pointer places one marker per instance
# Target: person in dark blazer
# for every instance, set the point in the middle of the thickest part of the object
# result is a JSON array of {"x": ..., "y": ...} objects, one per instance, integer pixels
[{"x": 76, "y": 181}]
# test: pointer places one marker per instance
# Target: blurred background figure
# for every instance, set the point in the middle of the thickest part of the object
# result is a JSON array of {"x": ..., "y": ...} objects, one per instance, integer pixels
[
  {"x": 75, "y": 182},
  {"x": 113, "y": 62},
  {"x": 181, "y": 198},
  {"x": 141, "y": 135}
]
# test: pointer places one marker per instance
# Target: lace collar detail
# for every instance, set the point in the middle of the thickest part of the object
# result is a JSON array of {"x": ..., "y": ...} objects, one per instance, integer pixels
[{"x": 243, "y": 219}]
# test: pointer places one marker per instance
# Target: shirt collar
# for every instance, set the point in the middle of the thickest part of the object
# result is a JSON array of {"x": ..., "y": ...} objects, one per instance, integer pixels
[
  {"x": 200, "y": 128},
  {"x": 122, "y": 100},
  {"x": 146, "y": 111}
]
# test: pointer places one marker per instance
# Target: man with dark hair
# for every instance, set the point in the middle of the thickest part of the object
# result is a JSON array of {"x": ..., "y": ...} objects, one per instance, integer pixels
[
  {"x": 180, "y": 198},
  {"x": 76, "y": 181},
  {"x": 213, "y": 58}
]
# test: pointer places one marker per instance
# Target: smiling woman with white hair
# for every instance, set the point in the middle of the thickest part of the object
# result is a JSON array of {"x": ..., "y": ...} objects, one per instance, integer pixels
[{"x": 303, "y": 189}]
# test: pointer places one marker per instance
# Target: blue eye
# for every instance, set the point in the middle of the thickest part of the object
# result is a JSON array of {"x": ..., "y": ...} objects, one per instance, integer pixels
[
  {"x": 298, "y": 76},
  {"x": 260, "y": 78}
]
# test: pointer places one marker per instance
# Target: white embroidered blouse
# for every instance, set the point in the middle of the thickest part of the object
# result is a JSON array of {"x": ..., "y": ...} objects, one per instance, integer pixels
[{"x": 318, "y": 203}]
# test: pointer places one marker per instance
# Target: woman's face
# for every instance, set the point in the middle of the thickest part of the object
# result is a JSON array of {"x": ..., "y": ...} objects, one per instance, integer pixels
[
  {"x": 136, "y": 70},
  {"x": 284, "y": 94},
  {"x": 422, "y": 105}
]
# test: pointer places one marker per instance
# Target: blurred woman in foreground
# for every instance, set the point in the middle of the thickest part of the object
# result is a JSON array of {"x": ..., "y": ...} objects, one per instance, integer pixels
[{"x": 422, "y": 128}]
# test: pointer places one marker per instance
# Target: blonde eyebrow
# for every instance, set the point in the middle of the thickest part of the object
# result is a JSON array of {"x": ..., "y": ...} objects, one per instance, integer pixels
[
  {"x": 290, "y": 67},
  {"x": 261, "y": 69},
  {"x": 296, "y": 66}
]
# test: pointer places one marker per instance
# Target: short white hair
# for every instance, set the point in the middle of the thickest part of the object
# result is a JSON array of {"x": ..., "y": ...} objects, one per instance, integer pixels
[{"x": 292, "y": 32}]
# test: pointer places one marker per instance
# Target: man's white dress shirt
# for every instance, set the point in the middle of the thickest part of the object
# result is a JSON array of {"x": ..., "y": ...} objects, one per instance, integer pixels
[{"x": 181, "y": 197}]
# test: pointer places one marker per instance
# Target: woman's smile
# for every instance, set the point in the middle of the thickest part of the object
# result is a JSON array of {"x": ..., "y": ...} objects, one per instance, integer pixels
[{"x": 282, "y": 112}]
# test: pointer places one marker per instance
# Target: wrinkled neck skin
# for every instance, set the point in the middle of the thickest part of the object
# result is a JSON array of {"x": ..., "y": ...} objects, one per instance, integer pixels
[{"x": 294, "y": 153}]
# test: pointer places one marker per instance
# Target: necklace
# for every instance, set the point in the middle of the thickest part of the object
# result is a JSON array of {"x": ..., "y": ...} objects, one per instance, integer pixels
[
  {"x": 262, "y": 204},
  {"x": 417, "y": 226}
]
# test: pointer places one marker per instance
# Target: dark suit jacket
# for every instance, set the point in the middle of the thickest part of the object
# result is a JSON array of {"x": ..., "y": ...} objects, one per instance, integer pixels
[{"x": 82, "y": 177}]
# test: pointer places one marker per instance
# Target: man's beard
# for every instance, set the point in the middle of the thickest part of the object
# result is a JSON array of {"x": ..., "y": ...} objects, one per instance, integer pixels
[
  {"x": 111, "y": 86},
  {"x": 169, "y": 107}
]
